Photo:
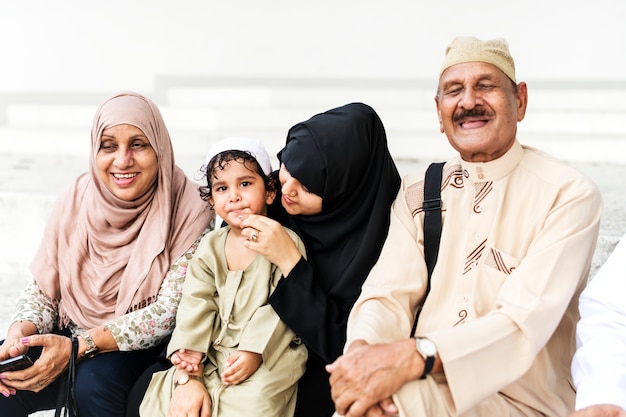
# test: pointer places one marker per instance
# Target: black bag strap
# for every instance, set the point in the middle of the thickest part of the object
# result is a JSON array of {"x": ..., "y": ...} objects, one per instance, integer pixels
[
  {"x": 432, "y": 224},
  {"x": 66, "y": 401}
]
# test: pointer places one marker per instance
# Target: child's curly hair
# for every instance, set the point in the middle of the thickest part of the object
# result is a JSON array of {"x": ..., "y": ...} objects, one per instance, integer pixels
[{"x": 221, "y": 160}]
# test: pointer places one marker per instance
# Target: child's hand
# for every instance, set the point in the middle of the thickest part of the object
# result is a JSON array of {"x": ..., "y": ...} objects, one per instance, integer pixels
[
  {"x": 241, "y": 365},
  {"x": 186, "y": 360}
]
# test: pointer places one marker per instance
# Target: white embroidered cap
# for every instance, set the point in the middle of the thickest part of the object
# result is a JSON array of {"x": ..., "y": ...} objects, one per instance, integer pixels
[{"x": 253, "y": 146}]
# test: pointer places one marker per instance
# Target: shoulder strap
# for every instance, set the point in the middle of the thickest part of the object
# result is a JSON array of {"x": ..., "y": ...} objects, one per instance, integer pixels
[{"x": 432, "y": 224}]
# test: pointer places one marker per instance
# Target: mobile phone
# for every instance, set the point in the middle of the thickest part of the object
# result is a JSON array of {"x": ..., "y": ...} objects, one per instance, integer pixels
[{"x": 15, "y": 364}]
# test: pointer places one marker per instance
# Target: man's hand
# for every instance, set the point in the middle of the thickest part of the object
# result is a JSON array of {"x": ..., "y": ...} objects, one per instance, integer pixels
[
  {"x": 600, "y": 410},
  {"x": 368, "y": 375},
  {"x": 241, "y": 365}
]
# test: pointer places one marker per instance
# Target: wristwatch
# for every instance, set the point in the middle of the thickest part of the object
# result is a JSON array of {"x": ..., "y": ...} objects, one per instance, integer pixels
[
  {"x": 184, "y": 378},
  {"x": 428, "y": 350},
  {"x": 92, "y": 348}
]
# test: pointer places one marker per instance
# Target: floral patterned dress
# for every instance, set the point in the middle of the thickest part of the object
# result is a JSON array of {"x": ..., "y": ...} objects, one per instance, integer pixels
[{"x": 136, "y": 330}]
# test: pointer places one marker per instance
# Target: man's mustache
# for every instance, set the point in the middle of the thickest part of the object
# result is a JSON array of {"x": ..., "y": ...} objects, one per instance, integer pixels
[{"x": 475, "y": 112}]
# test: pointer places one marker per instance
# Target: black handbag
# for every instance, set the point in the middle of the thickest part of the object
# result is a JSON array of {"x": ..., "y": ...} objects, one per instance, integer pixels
[{"x": 432, "y": 225}]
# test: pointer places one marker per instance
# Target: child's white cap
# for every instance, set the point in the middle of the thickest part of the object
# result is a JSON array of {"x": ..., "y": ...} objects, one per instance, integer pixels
[{"x": 253, "y": 146}]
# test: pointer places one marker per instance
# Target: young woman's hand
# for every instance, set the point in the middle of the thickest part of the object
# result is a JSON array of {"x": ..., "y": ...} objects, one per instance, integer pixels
[
  {"x": 269, "y": 238},
  {"x": 241, "y": 365}
]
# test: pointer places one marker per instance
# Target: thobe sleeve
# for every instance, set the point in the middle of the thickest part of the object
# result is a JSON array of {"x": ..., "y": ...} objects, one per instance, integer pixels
[
  {"x": 266, "y": 333},
  {"x": 397, "y": 282},
  {"x": 198, "y": 309}
]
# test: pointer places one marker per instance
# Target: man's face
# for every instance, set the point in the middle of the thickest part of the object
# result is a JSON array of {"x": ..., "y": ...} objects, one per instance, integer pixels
[{"x": 478, "y": 108}]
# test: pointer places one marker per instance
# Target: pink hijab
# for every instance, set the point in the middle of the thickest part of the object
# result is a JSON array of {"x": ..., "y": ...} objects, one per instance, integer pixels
[{"x": 102, "y": 257}]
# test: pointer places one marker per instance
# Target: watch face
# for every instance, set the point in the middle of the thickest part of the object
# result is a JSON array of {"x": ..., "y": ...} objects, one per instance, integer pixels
[
  {"x": 428, "y": 347},
  {"x": 92, "y": 349},
  {"x": 183, "y": 379}
]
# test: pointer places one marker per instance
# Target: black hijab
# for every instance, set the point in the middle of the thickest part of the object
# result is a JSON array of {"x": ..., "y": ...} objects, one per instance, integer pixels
[{"x": 342, "y": 156}]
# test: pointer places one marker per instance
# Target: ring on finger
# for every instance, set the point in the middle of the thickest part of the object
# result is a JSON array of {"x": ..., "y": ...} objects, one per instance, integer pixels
[{"x": 254, "y": 235}]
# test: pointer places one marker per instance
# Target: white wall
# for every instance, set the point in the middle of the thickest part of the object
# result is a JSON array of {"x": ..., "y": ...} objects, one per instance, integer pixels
[
  {"x": 81, "y": 45},
  {"x": 87, "y": 49}
]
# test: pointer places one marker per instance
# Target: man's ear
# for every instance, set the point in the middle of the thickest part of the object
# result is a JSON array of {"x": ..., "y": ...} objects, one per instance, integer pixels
[
  {"x": 522, "y": 100},
  {"x": 439, "y": 113}
]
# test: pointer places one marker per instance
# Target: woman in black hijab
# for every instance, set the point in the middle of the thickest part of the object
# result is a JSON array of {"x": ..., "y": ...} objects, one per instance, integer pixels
[{"x": 341, "y": 158}]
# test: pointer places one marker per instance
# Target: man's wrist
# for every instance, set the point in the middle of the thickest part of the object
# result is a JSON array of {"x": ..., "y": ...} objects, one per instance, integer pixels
[
  {"x": 428, "y": 351},
  {"x": 357, "y": 343}
]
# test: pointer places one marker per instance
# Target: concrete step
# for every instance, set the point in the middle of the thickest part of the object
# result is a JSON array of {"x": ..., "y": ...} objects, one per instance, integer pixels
[
  {"x": 203, "y": 116},
  {"x": 405, "y": 142},
  {"x": 577, "y": 123}
]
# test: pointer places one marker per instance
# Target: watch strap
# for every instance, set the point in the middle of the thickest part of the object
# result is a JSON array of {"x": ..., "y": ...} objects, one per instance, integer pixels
[
  {"x": 92, "y": 348},
  {"x": 429, "y": 362},
  {"x": 189, "y": 378},
  {"x": 428, "y": 352}
]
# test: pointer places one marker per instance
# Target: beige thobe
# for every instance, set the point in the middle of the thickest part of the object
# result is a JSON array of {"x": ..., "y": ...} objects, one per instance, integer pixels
[
  {"x": 223, "y": 311},
  {"x": 517, "y": 242}
]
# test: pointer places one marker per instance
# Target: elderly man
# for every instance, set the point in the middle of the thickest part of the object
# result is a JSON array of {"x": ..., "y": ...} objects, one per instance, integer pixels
[
  {"x": 599, "y": 366},
  {"x": 496, "y": 332}
]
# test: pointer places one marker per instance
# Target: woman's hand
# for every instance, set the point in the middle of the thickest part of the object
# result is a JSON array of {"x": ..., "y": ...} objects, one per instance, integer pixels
[
  {"x": 55, "y": 357},
  {"x": 12, "y": 345},
  {"x": 269, "y": 238},
  {"x": 190, "y": 399}
]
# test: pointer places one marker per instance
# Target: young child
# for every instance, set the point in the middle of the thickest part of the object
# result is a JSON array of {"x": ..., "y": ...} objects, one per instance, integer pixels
[{"x": 232, "y": 355}]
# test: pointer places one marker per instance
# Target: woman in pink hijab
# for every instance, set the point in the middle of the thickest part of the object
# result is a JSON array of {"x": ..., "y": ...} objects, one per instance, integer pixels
[{"x": 109, "y": 272}]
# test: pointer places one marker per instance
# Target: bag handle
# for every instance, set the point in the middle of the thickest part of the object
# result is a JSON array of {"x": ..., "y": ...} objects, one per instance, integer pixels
[
  {"x": 432, "y": 225},
  {"x": 66, "y": 401}
]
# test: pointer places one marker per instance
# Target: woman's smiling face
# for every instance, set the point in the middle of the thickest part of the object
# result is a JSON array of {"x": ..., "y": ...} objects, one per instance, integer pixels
[{"x": 126, "y": 162}]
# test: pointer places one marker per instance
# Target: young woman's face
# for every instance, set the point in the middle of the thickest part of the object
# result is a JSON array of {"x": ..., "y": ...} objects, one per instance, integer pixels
[
  {"x": 296, "y": 198},
  {"x": 237, "y": 190},
  {"x": 126, "y": 162}
]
